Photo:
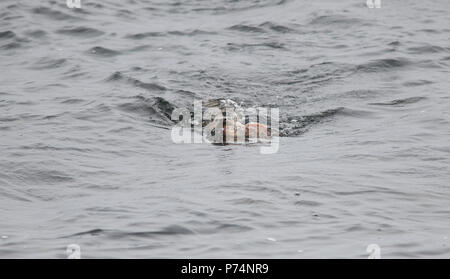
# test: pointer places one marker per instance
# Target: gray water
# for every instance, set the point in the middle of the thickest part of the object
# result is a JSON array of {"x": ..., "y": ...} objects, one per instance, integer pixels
[{"x": 87, "y": 157}]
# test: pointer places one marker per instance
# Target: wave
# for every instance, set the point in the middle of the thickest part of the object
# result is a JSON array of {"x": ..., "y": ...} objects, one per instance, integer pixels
[
  {"x": 400, "y": 102},
  {"x": 157, "y": 109},
  {"x": 14, "y": 40},
  {"x": 7, "y": 34},
  {"x": 12, "y": 45},
  {"x": 239, "y": 47},
  {"x": 139, "y": 36},
  {"x": 80, "y": 31},
  {"x": 246, "y": 28},
  {"x": 169, "y": 230},
  {"x": 417, "y": 82},
  {"x": 294, "y": 126},
  {"x": 317, "y": 73},
  {"x": 427, "y": 49},
  {"x": 48, "y": 63},
  {"x": 191, "y": 33},
  {"x": 383, "y": 64},
  {"x": 36, "y": 33},
  {"x": 333, "y": 20},
  {"x": 144, "y": 35},
  {"x": 261, "y": 28},
  {"x": 104, "y": 52},
  {"x": 118, "y": 76},
  {"x": 276, "y": 27},
  {"x": 213, "y": 6},
  {"x": 52, "y": 14}
]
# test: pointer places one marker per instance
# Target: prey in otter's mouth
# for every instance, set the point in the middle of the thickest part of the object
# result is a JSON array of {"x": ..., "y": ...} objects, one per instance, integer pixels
[
  {"x": 223, "y": 122},
  {"x": 236, "y": 124}
]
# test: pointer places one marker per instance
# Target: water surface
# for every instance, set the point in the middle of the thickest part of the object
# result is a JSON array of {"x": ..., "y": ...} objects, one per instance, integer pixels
[{"x": 87, "y": 158}]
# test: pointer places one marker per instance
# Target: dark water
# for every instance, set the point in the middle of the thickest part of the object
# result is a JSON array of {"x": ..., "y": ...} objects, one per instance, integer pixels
[{"x": 87, "y": 158}]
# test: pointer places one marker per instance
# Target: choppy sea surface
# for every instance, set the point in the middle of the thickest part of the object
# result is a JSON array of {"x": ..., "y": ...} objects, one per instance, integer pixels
[{"x": 87, "y": 156}]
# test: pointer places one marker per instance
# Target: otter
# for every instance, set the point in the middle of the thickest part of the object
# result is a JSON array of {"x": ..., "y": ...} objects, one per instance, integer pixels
[{"x": 235, "y": 124}]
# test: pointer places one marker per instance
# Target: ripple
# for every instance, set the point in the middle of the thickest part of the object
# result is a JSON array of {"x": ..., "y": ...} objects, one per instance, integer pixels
[
  {"x": 80, "y": 31},
  {"x": 7, "y": 35},
  {"x": 72, "y": 101},
  {"x": 417, "y": 82},
  {"x": 52, "y": 14},
  {"x": 294, "y": 126},
  {"x": 276, "y": 27},
  {"x": 28, "y": 175},
  {"x": 427, "y": 49},
  {"x": 317, "y": 74},
  {"x": 307, "y": 203},
  {"x": 36, "y": 33},
  {"x": 13, "y": 45},
  {"x": 48, "y": 63},
  {"x": 383, "y": 64},
  {"x": 246, "y": 28},
  {"x": 270, "y": 45},
  {"x": 400, "y": 102},
  {"x": 140, "y": 36},
  {"x": 333, "y": 20},
  {"x": 118, "y": 76},
  {"x": 104, "y": 52},
  {"x": 191, "y": 32},
  {"x": 157, "y": 108},
  {"x": 261, "y": 28},
  {"x": 116, "y": 234}
]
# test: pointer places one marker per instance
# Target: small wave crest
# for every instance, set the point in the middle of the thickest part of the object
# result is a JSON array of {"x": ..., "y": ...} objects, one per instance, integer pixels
[{"x": 118, "y": 76}]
